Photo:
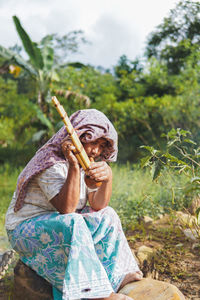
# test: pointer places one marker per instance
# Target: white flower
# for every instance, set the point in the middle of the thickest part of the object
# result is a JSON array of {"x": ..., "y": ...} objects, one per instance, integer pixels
[
  {"x": 45, "y": 238},
  {"x": 99, "y": 251},
  {"x": 40, "y": 258},
  {"x": 59, "y": 252},
  {"x": 60, "y": 255}
]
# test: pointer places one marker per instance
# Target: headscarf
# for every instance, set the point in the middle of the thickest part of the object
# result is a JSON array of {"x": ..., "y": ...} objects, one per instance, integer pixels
[{"x": 90, "y": 123}]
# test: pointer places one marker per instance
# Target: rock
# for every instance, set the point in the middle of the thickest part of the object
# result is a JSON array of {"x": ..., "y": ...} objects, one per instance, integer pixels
[
  {"x": 145, "y": 256},
  {"x": 4, "y": 244},
  {"x": 149, "y": 289},
  {"x": 190, "y": 234},
  {"x": 163, "y": 221},
  {"x": 147, "y": 220},
  {"x": 180, "y": 245},
  {"x": 185, "y": 219},
  {"x": 5, "y": 260},
  {"x": 144, "y": 253},
  {"x": 30, "y": 286}
]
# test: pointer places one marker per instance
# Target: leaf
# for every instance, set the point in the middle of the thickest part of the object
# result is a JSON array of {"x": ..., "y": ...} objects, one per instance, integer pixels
[
  {"x": 31, "y": 48},
  {"x": 150, "y": 149},
  {"x": 77, "y": 65},
  {"x": 145, "y": 161},
  {"x": 44, "y": 120},
  {"x": 12, "y": 57},
  {"x": 183, "y": 132},
  {"x": 170, "y": 143},
  {"x": 37, "y": 136},
  {"x": 156, "y": 169},
  {"x": 55, "y": 76},
  {"x": 174, "y": 159},
  {"x": 48, "y": 56},
  {"x": 195, "y": 179},
  {"x": 198, "y": 215},
  {"x": 189, "y": 141}
]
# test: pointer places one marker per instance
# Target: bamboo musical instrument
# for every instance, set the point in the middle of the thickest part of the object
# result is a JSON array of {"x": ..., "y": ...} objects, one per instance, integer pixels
[{"x": 80, "y": 152}]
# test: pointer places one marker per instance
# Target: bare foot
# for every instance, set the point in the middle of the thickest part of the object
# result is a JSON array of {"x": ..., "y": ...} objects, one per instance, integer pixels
[{"x": 131, "y": 277}]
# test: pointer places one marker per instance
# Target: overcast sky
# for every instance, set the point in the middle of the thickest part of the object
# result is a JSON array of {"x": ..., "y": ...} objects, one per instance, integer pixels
[{"x": 114, "y": 27}]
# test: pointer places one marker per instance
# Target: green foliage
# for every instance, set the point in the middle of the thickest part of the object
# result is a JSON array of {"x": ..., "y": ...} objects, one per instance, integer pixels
[
  {"x": 135, "y": 195},
  {"x": 32, "y": 50},
  {"x": 182, "y": 155},
  {"x": 15, "y": 114},
  {"x": 40, "y": 66},
  {"x": 20, "y": 120},
  {"x": 177, "y": 37},
  {"x": 14, "y": 58},
  {"x": 8, "y": 179},
  {"x": 143, "y": 99}
]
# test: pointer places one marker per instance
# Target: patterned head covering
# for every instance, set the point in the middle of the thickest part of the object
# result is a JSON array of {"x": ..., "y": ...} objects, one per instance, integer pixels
[{"x": 89, "y": 123}]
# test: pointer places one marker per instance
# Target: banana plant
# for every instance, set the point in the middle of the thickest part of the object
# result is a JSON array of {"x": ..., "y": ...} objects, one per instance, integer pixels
[
  {"x": 40, "y": 66},
  {"x": 43, "y": 68}
]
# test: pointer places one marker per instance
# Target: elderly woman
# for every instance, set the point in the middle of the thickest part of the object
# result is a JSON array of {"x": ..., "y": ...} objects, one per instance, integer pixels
[{"x": 81, "y": 250}]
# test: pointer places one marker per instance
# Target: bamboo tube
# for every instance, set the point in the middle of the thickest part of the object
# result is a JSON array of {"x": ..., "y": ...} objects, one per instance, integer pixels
[{"x": 80, "y": 151}]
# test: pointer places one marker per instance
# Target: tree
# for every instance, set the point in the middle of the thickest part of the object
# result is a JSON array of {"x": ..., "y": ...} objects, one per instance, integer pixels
[
  {"x": 177, "y": 37},
  {"x": 44, "y": 60}
]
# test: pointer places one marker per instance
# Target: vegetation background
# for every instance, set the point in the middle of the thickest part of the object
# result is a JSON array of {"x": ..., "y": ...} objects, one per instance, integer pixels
[{"x": 143, "y": 98}]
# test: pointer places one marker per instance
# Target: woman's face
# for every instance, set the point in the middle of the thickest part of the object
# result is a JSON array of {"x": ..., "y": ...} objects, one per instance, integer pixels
[{"x": 94, "y": 149}]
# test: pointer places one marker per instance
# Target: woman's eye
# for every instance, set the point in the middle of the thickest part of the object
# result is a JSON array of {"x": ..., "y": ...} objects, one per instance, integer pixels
[{"x": 103, "y": 145}]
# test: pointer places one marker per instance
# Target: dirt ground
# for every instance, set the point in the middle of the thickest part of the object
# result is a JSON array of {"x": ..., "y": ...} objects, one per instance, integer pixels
[{"x": 176, "y": 258}]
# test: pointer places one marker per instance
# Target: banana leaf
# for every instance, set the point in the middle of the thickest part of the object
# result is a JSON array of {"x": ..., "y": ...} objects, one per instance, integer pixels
[
  {"x": 31, "y": 48},
  {"x": 14, "y": 58}
]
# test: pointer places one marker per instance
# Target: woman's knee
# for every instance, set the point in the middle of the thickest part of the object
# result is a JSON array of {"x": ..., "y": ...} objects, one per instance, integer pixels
[
  {"x": 72, "y": 218},
  {"x": 111, "y": 214}
]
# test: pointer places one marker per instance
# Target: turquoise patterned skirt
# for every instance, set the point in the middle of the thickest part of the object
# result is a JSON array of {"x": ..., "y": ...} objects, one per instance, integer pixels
[{"x": 83, "y": 255}]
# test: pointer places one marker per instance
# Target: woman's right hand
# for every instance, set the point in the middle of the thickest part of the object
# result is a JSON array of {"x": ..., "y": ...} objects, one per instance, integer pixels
[
  {"x": 67, "y": 199},
  {"x": 67, "y": 149}
]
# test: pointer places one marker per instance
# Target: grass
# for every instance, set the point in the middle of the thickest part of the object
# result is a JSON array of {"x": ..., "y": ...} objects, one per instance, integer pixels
[
  {"x": 8, "y": 179},
  {"x": 134, "y": 194}
]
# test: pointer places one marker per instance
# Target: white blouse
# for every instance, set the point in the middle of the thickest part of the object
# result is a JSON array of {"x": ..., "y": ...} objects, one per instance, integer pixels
[{"x": 40, "y": 190}]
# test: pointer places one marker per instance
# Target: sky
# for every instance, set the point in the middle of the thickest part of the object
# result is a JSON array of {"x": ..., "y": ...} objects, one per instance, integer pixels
[{"x": 113, "y": 27}]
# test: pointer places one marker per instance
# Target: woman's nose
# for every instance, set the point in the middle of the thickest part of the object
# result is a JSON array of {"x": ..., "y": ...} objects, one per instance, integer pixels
[{"x": 95, "y": 150}]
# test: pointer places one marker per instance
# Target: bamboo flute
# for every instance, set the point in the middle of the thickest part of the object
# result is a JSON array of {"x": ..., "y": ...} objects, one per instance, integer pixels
[{"x": 80, "y": 151}]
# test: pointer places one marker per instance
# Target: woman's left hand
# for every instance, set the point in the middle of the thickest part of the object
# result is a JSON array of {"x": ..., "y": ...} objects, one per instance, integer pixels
[{"x": 100, "y": 171}]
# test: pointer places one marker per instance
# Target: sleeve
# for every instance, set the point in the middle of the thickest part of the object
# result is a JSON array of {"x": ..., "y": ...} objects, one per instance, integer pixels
[{"x": 52, "y": 179}]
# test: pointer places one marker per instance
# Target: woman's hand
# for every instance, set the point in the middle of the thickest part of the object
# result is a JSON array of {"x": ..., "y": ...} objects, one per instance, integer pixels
[
  {"x": 67, "y": 199},
  {"x": 67, "y": 149},
  {"x": 100, "y": 171}
]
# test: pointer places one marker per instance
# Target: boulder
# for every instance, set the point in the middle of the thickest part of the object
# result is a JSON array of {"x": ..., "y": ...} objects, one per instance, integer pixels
[
  {"x": 147, "y": 221},
  {"x": 144, "y": 253},
  {"x": 29, "y": 285},
  {"x": 150, "y": 289}
]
